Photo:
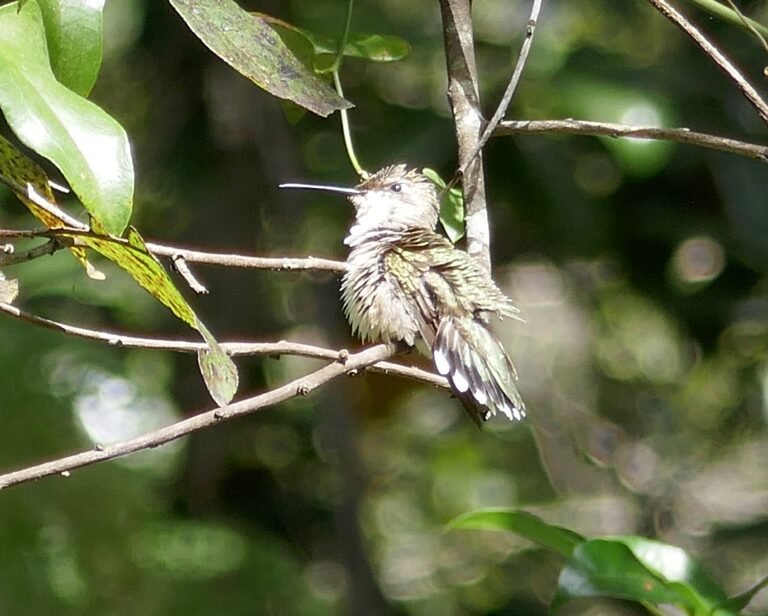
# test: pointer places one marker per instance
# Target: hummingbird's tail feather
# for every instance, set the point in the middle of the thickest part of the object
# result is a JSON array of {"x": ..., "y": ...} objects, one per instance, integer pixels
[{"x": 479, "y": 370}]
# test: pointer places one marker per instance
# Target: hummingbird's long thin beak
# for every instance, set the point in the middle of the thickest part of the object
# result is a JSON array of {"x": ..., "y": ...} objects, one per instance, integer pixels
[{"x": 338, "y": 189}]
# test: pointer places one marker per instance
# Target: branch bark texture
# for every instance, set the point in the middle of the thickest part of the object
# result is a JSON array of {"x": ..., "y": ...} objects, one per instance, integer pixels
[
  {"x": 609, "y": 129},
  {"x": 464, "y": 96}
]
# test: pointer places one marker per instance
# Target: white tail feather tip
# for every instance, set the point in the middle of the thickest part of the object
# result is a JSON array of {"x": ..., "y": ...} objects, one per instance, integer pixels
[{"x": 441, "y": 362}]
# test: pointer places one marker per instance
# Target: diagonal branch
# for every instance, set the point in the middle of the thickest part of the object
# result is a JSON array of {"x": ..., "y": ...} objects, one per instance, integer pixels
[
  {"x": 723, "y": 63},
  {"x": 298, "y": 387},
  {"x": 609, "y": 129},
  {"x": 517, "y": 72}
]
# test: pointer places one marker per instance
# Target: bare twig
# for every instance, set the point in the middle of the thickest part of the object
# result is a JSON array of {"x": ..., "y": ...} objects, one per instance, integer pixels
[
  {"x": 13, "y": 258},
  {"x": 465, "y": 102},
  {"x": 713, "y": 52},
  {"x": 278, "y": 264},
  {"x": 192, "y": 256},
  {"x": 608, "y": 129},
  {"x": 298, "y": 387},
  {"x": 232, "y": 348},
  {"x": 750, "y": 25},
  {"x": 180, "y": 265},
  {"x": 509, "y": 92},
  {"x": 733, "y": 16}
]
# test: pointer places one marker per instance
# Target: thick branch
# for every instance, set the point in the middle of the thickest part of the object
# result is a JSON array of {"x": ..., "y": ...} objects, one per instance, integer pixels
[
  {"x": 608, "y": 129},
  {"x": 233, "y": 348},
  {"x": 715, "y": 54},
  {"x": 465, "y": 103},
  {"x": 299, "y": 387}
]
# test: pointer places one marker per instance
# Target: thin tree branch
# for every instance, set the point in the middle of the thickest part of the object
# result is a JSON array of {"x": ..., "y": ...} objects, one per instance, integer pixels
[
  {"x": 509, "y": 92},
  {"x": 609, "y": 129},
  {"x": 715, "y": 54},
  {"x": 191, "y": 256},
  {"x": 13, "y": 258},
  {"x": 298, "y": 387},
  {"x": 465, "y": 103},
  {"x": 232, "y": 348},
  {"x": 278, "y": 264},
  {"x": 180, "y": 265}
]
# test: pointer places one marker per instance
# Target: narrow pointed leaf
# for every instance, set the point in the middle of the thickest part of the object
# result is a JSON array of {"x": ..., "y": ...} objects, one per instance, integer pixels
[
  {"x": 250, "y": 46},
  {"x": 521, "y": 523},
  {"x": 73, "y": 29},
  {"x": 89, "y": 147},
  {"x": 218, "y": 369},
  {"x": 20, "y": 173}
]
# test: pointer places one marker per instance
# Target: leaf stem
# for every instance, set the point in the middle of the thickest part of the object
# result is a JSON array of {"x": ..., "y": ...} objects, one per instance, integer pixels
[
  {"x": 347, "y": 132},
  {"x": 335, "y": 69}
]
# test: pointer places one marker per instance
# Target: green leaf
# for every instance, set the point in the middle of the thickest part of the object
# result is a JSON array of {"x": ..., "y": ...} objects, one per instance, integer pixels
[
  {"x": 250, "y": 46},
  {"x": 601, "y": 568},
  {"x": 556, "y": 538},
  {"x": 675, "y": 565},
  {"x": 87, "y": 145},
  {"x": 75, "y": 41},
  {"x": 21, "y": 174},
  {"x": 451, "y": 207},
  {"x": 218, "y": 369},
  {"x": 640, "y": 570},
  {"x": 132, "y": 255}
]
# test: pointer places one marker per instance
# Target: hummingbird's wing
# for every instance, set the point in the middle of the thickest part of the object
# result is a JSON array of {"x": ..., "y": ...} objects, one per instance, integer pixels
[
  {"x": 469, "y": 287},
  {"x": 452, "y": 296}
]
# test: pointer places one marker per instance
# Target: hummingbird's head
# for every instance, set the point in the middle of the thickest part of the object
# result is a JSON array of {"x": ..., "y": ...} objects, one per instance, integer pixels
[{"x": 396, "y": 195}]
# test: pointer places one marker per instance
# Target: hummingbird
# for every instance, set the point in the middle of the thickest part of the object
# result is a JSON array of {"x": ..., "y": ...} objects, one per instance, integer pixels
[{"x": 406, "y": 282}]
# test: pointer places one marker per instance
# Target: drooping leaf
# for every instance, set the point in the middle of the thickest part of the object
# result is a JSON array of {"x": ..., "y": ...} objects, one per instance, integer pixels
[
  {"x": 561, "y": 540},
  {"x": 73, "y": 29},
  {"x": 89, "y": 147},
  {"x": 640, "y": 570},
  {"x": 218, "y": 369},
  {"x": 20, "y": 173},
  {"x": 132, "y": 255},
  {"x": 451, "y": 207},
  {"x": 250, "y": 46}
]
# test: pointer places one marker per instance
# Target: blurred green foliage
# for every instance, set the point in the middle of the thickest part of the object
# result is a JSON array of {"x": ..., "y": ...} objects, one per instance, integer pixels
[{"x": 639, "y": 268}]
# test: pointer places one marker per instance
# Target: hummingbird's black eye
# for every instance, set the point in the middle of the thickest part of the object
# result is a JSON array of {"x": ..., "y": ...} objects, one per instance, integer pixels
[{"x": 395, "y": 188}]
